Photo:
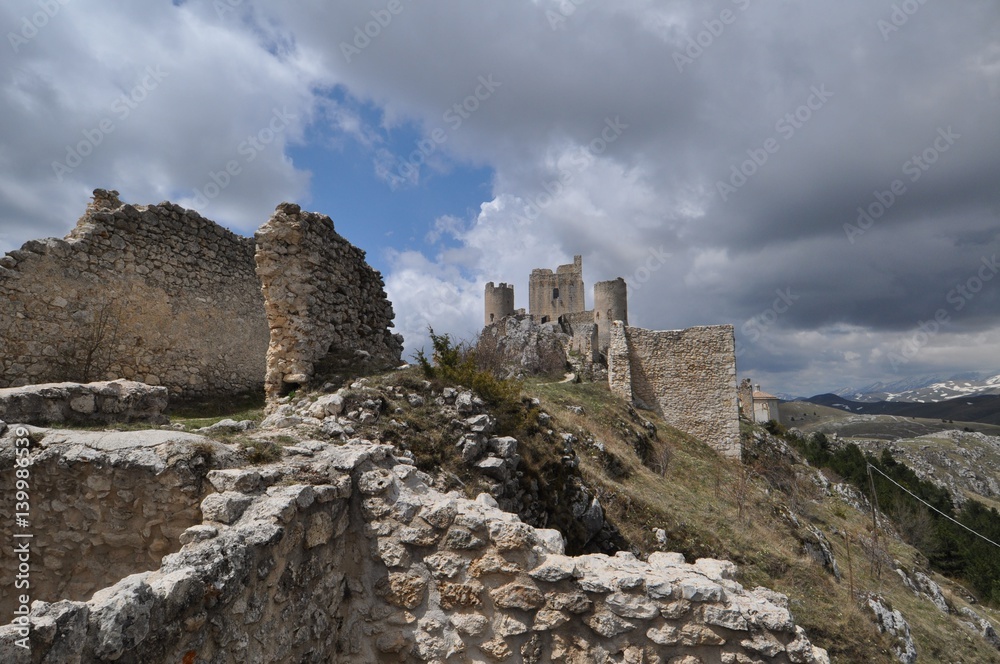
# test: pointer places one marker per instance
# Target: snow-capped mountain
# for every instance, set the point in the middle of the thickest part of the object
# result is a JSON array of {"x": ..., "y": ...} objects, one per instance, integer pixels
[{"x": 927, "y": 389}]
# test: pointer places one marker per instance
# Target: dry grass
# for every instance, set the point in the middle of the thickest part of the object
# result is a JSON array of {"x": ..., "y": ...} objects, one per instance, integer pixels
[
  {"x": 708, "y": 507},
  {"x": 711, "y": 507}
]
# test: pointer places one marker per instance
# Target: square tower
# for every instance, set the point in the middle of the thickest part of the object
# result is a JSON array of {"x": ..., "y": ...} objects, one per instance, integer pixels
[{"x": 551, "y": 295}]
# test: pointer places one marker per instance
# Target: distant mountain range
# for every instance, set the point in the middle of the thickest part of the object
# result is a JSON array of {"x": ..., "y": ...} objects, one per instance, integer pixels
[
  {"x": 927, "y": 389},
  {"x": 979, "y": 408},
  {"x": 964, "y": 397}
]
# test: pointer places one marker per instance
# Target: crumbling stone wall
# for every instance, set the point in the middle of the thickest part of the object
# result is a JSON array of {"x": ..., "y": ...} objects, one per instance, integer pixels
[
  {"x": 746, "y": 399},
  {"x": 326, "y": 307},
  {"x": 156, "y": 293},
  {"x": 689, "y": 376},
  {"x": 159, "y": 294},
  {"x": 103, "y": 505},
  {"x": 88, "y": 404},
  {"x": 366, "y": 563}
]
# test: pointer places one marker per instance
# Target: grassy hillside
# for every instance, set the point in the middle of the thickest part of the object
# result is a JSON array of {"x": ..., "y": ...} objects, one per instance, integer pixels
[
  {"x": 771, "y": 515},
  {"x": 759, "y": 515}
]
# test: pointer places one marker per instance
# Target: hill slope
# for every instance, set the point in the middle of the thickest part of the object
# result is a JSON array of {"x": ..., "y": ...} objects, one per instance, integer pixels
[{"x": 785, "y": 525}]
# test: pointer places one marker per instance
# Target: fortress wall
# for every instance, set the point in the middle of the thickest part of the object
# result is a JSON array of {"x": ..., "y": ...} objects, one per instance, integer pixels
[
  {"x": 157, "y": 294},
  {"x": 689, "y": 376},
  {"x": 326, "y": 307},
  {"x": 103, "y": 505},
  {"x": 363, "y": 562}
]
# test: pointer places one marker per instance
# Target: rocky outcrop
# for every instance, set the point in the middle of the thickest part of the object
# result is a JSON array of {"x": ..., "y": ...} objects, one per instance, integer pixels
[
  {"x": 963, "y": 462},
  {"x": 348, "y": 555},
  {"x": 924, "y": 587},
  {"x": 517, "y": 345},
  {"x": 892, "y": 622},
  {"x": 90, "y": 403},
  {"x": 563, "y": 501}
]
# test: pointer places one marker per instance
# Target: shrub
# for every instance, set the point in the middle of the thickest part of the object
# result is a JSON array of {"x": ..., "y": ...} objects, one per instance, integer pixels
[{"x": 456, "y": 364}]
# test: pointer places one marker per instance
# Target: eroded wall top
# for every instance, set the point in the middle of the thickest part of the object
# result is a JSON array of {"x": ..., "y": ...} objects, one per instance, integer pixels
[{"x": 326, "y": 307}]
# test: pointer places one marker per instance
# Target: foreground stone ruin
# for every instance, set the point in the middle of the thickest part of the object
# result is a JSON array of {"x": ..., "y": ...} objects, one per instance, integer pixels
[
  {"x": 89, "y": 404},
  {"x": 326, "y": 307},
  {"x": 103, "y": 505},
  {"x": 344, "y": 553}
]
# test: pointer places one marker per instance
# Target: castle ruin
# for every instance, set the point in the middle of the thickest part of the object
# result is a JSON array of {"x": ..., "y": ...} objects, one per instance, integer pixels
[
  {"x": 558, "y": 298},
  {"x": 160, "y": 294},
  {"x": 688, "y": 376}
]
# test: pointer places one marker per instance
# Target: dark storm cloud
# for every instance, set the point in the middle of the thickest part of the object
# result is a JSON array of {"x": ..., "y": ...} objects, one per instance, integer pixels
[{"x": 822, "y": 109}]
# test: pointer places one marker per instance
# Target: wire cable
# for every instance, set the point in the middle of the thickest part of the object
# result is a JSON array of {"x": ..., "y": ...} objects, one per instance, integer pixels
[{"x": 958, "y": 523}]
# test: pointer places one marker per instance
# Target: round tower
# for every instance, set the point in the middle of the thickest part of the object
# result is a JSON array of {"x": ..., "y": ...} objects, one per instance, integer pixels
[
  {"x": 610, "y": 304},
  {"x": 499, "y": 302}
]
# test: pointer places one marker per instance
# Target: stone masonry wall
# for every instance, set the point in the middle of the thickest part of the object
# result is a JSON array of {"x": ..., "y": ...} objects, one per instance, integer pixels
[
  {"x": 688, "y": 375},
  {"x": 326, "y": 307},
  {"x": 350, "y": 556},
  {"x": 157, "y": 294},
  {"x": 745, "y": 394},
  {"x": 544, "y": 303},
  {"x": 88, "y": 404},
  {"x": 102, "y": 505},
  {"x": 499, "y": 302}
]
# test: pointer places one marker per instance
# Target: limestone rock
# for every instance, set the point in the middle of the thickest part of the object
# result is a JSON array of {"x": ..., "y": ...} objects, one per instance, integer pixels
[{"x": 89, "y": 403}]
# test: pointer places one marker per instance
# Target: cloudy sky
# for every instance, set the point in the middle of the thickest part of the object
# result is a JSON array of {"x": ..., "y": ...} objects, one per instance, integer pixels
[{"x": 823, "y": 176}]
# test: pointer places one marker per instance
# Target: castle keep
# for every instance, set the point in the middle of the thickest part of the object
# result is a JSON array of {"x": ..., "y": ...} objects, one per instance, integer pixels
[{"x": 688, "y": 376}]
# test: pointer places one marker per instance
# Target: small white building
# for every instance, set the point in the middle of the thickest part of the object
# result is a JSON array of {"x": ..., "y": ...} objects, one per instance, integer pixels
[{"x": 765, "y": 406}]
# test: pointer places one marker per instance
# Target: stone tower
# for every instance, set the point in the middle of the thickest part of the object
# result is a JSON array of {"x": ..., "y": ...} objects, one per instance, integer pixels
[
  {"x": 499, "y": 302},
  {"x": 551, "y": 295},
  {"x": 610, "y": 304}
]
